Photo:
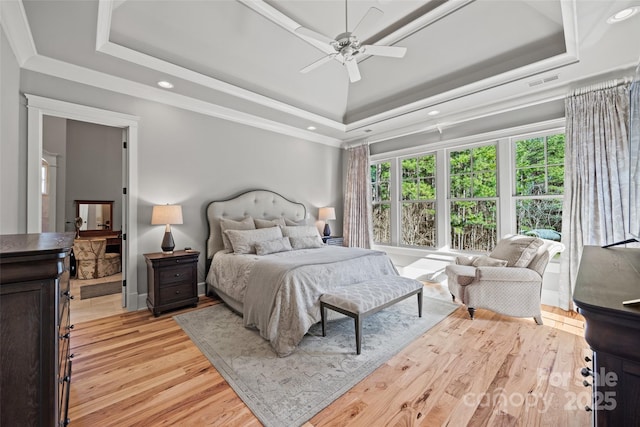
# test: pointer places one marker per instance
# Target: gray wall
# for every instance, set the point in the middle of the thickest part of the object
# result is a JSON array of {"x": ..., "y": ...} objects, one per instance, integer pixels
[
  {"x": 13, "y": 154},
  {"x": 94, "y": 167},
  {"x": 192, "y": 159}
]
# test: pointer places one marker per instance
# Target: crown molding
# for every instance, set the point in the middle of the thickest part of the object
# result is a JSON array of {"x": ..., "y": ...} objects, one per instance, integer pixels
[
  {"x": 75, "y": 73},
  {"x": 14, "y": 21}
]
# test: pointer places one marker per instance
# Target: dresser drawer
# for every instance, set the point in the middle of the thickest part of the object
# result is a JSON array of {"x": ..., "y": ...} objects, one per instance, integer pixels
[
  {"x": 176, "y": 293},
  {"x": 169, "y": 276}
]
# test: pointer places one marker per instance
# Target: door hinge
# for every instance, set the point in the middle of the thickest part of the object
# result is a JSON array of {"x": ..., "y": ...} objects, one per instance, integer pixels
[
  {"x": 124, "y": 283},
  {"x": 124, "y": 190},
  {"x": 124, "y": 236},
  {"x": 124, "y": 144}
]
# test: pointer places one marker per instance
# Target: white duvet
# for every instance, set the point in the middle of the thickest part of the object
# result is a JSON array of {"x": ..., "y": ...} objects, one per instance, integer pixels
[{"x": 284, "y": 309}]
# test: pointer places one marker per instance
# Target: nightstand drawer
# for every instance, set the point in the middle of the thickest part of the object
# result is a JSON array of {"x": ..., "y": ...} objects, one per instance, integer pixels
[
  {"x": 169, "y": 276},
  {"x": 176, "y": 293}
]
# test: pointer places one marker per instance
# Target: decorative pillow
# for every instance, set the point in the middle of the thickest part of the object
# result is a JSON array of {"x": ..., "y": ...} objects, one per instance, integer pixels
[
  {"x": 300, "y": 231},
  {"x": 306, "y": 242},
  {"x": 230, "y": 224},
  {"x": 293, "y": 223},
  {"x": 266, "y": 223},
  {"x": 273, "y": 246},
  {"x": 517, "y": 250},
  {"x": 243, "y": 241},
  {"x": 487, "y": 261}
]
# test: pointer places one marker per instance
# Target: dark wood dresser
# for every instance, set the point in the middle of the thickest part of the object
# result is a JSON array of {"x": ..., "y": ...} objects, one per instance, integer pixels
[
  {"x": 172, "y": 280},
  {"x": 606, "y": 278},
  {"x": 35, "y": 368}
]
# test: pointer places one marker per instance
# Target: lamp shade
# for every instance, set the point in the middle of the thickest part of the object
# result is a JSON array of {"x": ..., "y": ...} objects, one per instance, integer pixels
[
  {"x": 166, "y": 214},
  {"x": 327, "y": 213}
]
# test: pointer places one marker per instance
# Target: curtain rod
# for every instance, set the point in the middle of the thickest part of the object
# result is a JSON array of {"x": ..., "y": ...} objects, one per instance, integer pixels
[{"x": 600, "y": 86}]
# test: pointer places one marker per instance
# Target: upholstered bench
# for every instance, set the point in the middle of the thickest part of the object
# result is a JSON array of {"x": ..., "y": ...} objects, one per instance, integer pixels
[{"x": 366, "y": 298}]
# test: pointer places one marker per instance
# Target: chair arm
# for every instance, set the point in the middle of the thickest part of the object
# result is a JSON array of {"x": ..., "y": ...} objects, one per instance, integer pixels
[{"x": 507, "y": 274}]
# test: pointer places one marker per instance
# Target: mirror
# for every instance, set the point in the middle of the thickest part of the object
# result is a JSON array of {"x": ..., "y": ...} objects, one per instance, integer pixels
[{"x": 95, "y": 214}]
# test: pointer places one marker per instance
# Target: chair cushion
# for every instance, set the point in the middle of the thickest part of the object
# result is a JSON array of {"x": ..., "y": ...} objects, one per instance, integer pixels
[
  {"x": 517, "y": 250},
  {"x": 461, "y": 274}
]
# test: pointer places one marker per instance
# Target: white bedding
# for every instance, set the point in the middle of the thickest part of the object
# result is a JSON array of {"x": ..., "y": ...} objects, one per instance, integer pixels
[{"x": 295, "y": 305}]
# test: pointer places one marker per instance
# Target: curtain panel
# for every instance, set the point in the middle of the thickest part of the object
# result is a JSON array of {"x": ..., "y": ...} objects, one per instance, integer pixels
[
  {"x": 357, "y": 227},
  {"x": 596, "y": 180}
]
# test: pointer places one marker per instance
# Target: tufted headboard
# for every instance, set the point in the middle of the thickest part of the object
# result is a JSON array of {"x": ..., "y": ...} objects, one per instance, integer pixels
[{"x": 262, "y": 204}]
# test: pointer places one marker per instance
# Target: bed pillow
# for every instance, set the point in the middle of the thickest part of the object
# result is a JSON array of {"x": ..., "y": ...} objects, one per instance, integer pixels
[
  {"x": 266, "y": 223},
  {"x": 293, "y": 223},
  {"x": 306, "y": 242},
  {"x": 300, "y": 231},
  {"x": 517, "y": 250},
  {"x": 232, "y": 224},
  {"x": 273, "y": 246},
  {"x": 487, "y": 261},
  {"x": 244, "y": 241}
]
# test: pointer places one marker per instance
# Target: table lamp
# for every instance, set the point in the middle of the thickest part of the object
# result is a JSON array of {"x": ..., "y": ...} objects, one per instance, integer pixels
[
  {"x": 325, "y": 214},
  {"x": 167, "y": 215}
]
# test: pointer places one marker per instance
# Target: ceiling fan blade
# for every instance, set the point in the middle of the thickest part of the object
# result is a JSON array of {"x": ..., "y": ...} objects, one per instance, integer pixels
[
  {"x": 326, "y": 41},
  {"x": 352, "y": 69},
  {"x": 318, "y": 63},
  {"x": 372, "y": 15},
  {"x": 391, "y": 51}
]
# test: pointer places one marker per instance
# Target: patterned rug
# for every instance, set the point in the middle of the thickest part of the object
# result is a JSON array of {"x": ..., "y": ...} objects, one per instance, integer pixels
[{"x": 289, "y": 391}]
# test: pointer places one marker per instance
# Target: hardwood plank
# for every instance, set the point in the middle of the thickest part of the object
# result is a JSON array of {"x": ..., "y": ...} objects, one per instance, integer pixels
[{"x": 134, "y": 369}]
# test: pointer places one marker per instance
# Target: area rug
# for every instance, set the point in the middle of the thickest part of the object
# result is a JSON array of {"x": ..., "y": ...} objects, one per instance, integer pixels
[
  {"x": 100, "y": 289},
  {"x": 289, "y": 391}
]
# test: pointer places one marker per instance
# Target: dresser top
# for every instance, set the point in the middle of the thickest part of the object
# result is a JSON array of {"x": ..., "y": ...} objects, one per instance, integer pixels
[
  {"x": 12, "y": 245},
  {"x": 606, "y": 278}
]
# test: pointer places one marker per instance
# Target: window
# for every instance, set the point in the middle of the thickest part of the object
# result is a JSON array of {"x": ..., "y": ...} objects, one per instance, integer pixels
[
  {"x": 381, "y": 203},
  {"x": 539, "y": 185},
  {"x": 419, "y": 201},
  {"x": 473, "y": 197}
]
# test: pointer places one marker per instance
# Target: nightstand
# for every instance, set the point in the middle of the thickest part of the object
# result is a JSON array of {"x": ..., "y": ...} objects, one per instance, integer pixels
[
  {"x": 333, "y": 240},
  {"x": 172, "y": 280}
]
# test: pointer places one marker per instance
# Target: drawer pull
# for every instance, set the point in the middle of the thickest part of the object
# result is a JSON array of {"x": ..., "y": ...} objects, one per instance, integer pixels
[
  {"x": 177, "y": 275},
  {"x": 585, "y": 372},
  {"x": 177, "y": 292},
  {"x": 65, "y": 336},
  {"x": 588, "y": 409},
  {"x": 72, "y": 355},
  {"x": 586, "y": 383},
  {"x": 66, "y": 379},
  {"x": 67, "y": 294},
  {"x": 71, "y": 327},
  {"x": 177, "y": 261}
]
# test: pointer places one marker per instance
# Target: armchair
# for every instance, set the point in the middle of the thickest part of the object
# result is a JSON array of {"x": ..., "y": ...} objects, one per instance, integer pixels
[
  {"x": 92, "y": 261},
  {"x": 508, "y": 281}
]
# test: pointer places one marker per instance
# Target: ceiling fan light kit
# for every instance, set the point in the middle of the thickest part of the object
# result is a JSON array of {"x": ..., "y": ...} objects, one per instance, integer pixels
[{"x": 346, "y": 47}]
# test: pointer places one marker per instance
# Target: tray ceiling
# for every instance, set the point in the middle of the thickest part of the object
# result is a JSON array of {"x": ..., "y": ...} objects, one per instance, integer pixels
[{"x": 241, "y": 59}]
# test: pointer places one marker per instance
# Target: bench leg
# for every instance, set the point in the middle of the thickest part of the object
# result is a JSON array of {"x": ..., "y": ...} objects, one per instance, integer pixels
[
  {"x": 358, "y": 334},
  {"x": 420, "y": 303},
  {"x": 323, "y": 316}
]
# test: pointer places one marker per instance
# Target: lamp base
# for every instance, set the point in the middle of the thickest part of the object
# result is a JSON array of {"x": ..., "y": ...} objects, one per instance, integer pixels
[
  {"x": 327, "y": 230},
  {"x": 167, "y": 243}
]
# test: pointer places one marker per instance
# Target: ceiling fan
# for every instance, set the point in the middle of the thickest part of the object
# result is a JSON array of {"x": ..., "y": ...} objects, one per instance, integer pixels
[{"x": 346, "y": 47}]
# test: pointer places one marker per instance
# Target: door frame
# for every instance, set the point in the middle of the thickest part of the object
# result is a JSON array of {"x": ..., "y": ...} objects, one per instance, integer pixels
[{"x": 37, "y": 108}]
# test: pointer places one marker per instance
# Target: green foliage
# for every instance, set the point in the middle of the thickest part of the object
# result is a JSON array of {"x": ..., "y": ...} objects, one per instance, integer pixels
[
  {"x": 474, "y": 225},
  {"x": 540, "y": 166},
  {"x": 473, "y": 172}
]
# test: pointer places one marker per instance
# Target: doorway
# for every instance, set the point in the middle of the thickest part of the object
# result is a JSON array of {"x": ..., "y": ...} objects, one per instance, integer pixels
[{"x": 38, "y": 109}]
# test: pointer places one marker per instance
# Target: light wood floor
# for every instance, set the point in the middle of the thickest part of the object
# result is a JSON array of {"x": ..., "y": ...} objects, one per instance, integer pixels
[
  {"x": 83, "y": 310},
  {"x": 132, "y": 369}
]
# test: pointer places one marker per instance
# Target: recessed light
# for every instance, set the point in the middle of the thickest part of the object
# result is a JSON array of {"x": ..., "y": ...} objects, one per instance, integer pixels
[
  {"x": 311, "y": 128},
  {"x": 165, "y": 84},
  {"x": 623, "y": 14},
  {"x": 433, "y": 112}
]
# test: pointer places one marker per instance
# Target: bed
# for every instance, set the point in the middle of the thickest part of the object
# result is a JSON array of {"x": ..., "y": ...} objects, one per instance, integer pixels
[{"x": 278, "y": 293}]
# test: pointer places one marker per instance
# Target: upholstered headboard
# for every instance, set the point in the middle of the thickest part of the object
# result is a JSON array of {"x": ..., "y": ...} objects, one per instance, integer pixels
[{"x": 262, "y": 204}]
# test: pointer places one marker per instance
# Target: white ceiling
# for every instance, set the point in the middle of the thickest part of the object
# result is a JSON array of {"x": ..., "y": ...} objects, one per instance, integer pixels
[{"x": 241, "y": 59}]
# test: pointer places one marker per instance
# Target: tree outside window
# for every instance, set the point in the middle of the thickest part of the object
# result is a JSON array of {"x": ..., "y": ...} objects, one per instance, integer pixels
[
  {"x": 381, "y": 202},
  {"x": 539, "y": 185},
  {"x": 419, "y": 201},
  {"x": 473, "y": 197}
]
